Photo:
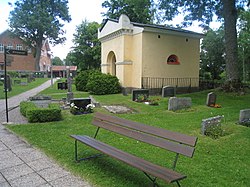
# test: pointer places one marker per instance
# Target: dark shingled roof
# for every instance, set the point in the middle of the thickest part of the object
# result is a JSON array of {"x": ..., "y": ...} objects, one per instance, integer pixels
[{"x": 155, "y": 26}]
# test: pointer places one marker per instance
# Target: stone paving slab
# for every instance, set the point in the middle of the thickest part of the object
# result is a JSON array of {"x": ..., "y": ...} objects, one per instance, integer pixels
[
  {"x": 40, "y": 164},
  {"x": 53, "y": 173},
  {"x": 30, "y": 180},
  {"x": 8, "y": 159},
  {"x": 68, "y": 181},
  {"x": 16, "y": 171}
]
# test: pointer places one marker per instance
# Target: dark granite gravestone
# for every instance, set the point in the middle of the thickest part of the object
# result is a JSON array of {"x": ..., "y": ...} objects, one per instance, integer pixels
[
  {"x": 81, "y": 102},
  {"x": 168, "y": 91},
  {"x": 140, "y": 92},
  {"x": 62, "y": 86},
  {"x": 211, "y": 99},
  {"x": 8, "y": 83}
]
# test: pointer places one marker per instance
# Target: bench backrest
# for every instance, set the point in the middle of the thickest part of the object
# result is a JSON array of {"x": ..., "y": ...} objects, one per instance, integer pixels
[{"x": 172, "y": 141}]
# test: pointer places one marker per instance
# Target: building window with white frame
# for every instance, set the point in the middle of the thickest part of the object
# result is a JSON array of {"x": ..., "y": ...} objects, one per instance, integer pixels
[
  {"x": 19, "y": 47},
  {"x": 1, "y": 48},
  {"x": 9, "y": 46}
]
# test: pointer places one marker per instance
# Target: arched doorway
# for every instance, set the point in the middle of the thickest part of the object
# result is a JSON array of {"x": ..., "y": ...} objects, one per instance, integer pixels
[{"x": 111, "y": 61}]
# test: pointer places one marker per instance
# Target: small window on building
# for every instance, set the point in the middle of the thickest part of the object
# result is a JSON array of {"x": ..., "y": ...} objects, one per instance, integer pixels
[
  {"x": 19, "y": 47},
  {"x": 9, "y": 46},
  {"x": 29, "y": 50},
  {"x": 1, "y": 48},
  {"x": 173, "y": 60}
]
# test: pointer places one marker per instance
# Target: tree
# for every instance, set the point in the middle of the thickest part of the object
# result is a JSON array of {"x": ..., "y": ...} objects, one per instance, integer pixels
[
  {"x": 212, "y": 53},
  {"x": 244, "y": 41},
  {"x": 140, "y": 11},
  {"x": 70, "y": 59},
  {"x": 38, "y": 20},
  {"x": 87, "y": 48},
  {"x": 204, "y": 11},
  {"x": 56, "y": 61}
]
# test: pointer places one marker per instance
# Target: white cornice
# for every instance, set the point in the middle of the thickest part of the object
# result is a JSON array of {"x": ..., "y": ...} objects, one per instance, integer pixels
[
  {"x": 124, "y": 63},
  {"x": 116, "y": 34}
]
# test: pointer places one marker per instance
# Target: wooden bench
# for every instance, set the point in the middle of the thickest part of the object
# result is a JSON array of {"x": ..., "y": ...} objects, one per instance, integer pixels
[{"x": 172, "y": 141}]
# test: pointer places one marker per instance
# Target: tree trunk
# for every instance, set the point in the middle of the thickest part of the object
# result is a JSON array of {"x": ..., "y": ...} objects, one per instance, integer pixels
[
  {"x": 230, "y": 18},
  {"x": 39, "y": 44}
]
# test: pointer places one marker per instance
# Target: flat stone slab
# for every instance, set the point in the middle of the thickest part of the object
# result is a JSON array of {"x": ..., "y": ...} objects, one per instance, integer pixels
[{"x": 117, "y": 109}]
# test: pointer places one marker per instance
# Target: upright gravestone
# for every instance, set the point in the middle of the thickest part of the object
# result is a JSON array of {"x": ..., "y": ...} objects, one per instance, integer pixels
[
  {"x": 244, "y": 116},
  {"x": 168, "y": 91},
  {"x": 211, "y": 99},
  {"x": 175, "y": 103},
  {"x": 210, "y": 122},
  {"x": 140, "y": 92},
  {"x": 69, "y": 84}
]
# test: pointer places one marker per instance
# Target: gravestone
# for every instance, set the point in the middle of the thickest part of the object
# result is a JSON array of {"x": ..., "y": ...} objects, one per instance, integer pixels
[
  {"x": 175, "y": 103},
  {"x": 124, "y": 91},
  {"x": 207, "y": 123},
  {"x": 211, "y": 99},
  {"x": 70, "y": 94},
  {"x": 140, "y": 92},
  {"x": 8, "y": 82},
  {"x": 81, "y": 102},
  {"x": 41, "y": 101},
  {"x": 168, "y": 91},
  {"x": 62, "y": 86},
  {"x": 244, "y": 116}
]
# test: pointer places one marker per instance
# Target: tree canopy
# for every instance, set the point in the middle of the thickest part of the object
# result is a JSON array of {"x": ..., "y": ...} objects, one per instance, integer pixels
[
  {"x": 140, "y": 11},
  {"x": 56, "y": 61},
  {"x": 204, "y": 11},
  {"x": 213, "y": 54},
  {"x": 38, "y": 20},
  {"x": 86, "y": 51}
]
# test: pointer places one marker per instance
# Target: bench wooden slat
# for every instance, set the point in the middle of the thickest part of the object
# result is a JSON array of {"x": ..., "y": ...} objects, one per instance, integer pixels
[
  {"x": 152, "y": 169},
  {"x": 178, "y": 137},
  {"x": 147, "y": 138}
]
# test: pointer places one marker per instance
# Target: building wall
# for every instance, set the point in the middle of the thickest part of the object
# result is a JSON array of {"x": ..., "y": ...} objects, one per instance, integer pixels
[
  {"x": 22, "y": 63},
  {"x": 19, "y": 62},
  {"x": 158, "y": 47}
]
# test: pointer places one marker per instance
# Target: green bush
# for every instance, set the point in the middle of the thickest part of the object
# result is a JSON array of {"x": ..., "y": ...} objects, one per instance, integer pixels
[
  {"x": 214, "y": 131},
  {"x": 44, "y": 115},
  {"x": 101, "y": 84},
  {"x": 35, "y": 114},
  {"x": 25, "y": 105},
  {"x": 13, "y": 74},
  {"x": 82, "y": 78}
]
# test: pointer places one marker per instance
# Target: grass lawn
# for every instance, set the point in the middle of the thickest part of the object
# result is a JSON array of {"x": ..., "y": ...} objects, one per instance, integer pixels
[
  {"x": 17, "y": 89},
  {"x": 221, "y": 162}
]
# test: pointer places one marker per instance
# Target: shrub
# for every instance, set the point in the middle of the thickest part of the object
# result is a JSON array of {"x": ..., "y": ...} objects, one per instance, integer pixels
[
  {"x": 214, "y": 131},
  {"x": 13, "y": 74},
  {"x": 44, "y": 115},
  {"x": 101, "y": 84},
  {"x": 35, "y": 114},
  {"x": 82, "y": 78},
  {"x": 25, "y": 105}
]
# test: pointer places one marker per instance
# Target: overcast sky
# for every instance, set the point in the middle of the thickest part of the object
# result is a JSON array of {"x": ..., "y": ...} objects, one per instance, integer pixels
[{"x": 79, "y": 11}]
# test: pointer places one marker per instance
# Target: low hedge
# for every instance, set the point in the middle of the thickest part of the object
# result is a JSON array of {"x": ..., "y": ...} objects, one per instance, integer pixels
[
  {"x": 35, "y": 114},
  {"x": 25, "y": 105}
]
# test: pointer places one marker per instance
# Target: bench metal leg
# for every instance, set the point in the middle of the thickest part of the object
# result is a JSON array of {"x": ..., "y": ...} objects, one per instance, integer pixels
[
  {"x": 179, "y": 185},
  {"x": 85, "y": 158},
  {"x": 152, "y": 179}
]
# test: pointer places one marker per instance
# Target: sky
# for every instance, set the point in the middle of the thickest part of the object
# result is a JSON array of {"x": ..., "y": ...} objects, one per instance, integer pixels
[{"x": 79, "y": 11}]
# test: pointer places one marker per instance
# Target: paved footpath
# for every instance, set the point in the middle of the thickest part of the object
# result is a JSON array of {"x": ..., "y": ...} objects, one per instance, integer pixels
[{"x": 22, "y": 165}]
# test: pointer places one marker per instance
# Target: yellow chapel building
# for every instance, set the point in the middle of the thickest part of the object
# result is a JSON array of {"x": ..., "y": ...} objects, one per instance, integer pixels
[{"x": 149, "y": 56}]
